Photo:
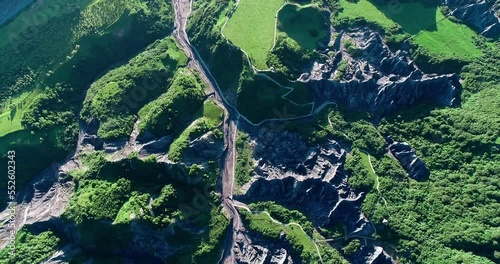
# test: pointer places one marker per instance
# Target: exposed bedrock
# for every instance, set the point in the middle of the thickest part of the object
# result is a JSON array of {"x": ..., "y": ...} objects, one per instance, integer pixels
[
  {"x": 479, "y": 14},
  {"x": 251, "y": 248},
  {"x": 284, "y": 154},
  {"x": 310, "y": 179},
  {"x": 371, "y": 254},
  {"x": 369, "y": 76},
  {"x": 406, "y": 155},
  {"x": 314, "y": 197},
  {"x": 203, "y": 148}
]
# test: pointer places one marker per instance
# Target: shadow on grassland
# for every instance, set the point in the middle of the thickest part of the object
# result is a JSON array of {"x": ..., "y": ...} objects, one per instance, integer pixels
[{"x": 413, "y": 17}]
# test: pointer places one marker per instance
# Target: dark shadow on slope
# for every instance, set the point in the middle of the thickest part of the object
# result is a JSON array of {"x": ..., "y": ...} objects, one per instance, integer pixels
[{"x": 413, "y": 17}]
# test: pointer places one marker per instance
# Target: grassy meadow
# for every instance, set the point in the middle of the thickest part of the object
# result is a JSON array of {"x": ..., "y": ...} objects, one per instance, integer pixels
[
  {"x": 252, "y": 28},
  {"x": 260, "y": 99},
  {"x": 304, "y": 24},
  {"x": 430, "y": 29}
]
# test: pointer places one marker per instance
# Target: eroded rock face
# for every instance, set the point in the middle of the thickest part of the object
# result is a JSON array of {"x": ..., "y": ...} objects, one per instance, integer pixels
[
  {"x": 407, "y": 156},
  {"x": 374, "y": 78},
  {"x": 203, "y": 148},
  {"x": 284, "y": 154},
  {"x": 478, "y": 14},
  {"x": 253, "y": 249},
  {"x": 372, "y": 255},
  {"x": 308, "y": 179}
]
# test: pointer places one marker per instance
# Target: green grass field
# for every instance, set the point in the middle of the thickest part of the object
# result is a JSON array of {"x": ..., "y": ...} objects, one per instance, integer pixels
[
  {"x": 10, "y": 119},
  {"x": 212, "y": 112},
  {"x": 366, "y": 163},
  {"x": 252, "y": 28},
  {"x": 430, "y": 29},
  {"x": 304, "y": 24}
]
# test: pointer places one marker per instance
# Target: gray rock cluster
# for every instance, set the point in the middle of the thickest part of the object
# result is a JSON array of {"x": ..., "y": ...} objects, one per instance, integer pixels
[
  {"x": 284, "y": 154},
  {"x": 252, "y": 249},
  {"x": 481, "y": 15},
  {"x": 203, "y": 148},
  {"x": 406, "y": 155},
  {"x": 376, "y": 79}
]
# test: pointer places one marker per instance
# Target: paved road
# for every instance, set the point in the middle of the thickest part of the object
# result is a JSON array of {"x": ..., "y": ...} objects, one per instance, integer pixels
[{"x": 182, "y": 10}]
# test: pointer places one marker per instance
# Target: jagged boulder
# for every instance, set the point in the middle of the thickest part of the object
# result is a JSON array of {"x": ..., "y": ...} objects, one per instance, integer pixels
[
  {"x": 313, "y": 197},
  {"x": 478, "y": 14},
  {"x": 407, "y": 156}
]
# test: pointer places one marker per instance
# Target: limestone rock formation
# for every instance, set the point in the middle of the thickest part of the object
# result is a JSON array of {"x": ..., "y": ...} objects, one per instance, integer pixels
[
  {"x": 481, "y": 15},
  {"x": 203, "y": 148},
  {"x": 251, "y": 248},
  {"x": 373, "y": 255},
  {"x": 369, "y": 76},
  {"x": 407, "y": 156}
]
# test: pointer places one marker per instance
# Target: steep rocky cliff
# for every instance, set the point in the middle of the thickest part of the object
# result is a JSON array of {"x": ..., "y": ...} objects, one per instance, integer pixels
[{"x": 481, "y": 15}]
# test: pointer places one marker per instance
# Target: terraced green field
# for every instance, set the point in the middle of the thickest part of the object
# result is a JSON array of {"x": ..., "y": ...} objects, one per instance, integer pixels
[
  {"x": 252, "y": 28},
  {"x": 430, "y": 29}
]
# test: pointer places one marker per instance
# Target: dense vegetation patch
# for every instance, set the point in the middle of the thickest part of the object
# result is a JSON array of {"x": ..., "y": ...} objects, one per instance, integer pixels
[
  {"x": 30, "y": 248},
  {"x": 111, "y": 195},
  {"x": 451, "y": 216},
  {"x": 289, "y": 58},
  {"x": 209, "y": 119},
  {"x": 63, "y": 45},
  {"x": 172, "y": 111},
  {"x": 260, "y": 98},
  {"x": 302, "y": 245},
  {"x": 115, "y": 98},
  {"x": 205, "y": 34},
  {"x": 244, "y": 161},
  {"x": 361, "y": 176}
]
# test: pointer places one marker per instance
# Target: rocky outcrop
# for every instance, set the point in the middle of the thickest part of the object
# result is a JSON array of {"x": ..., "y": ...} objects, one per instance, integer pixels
[
  {"x": 45, "y": 199},
  {"x": 204, "y": 148},
  {"x": 481, "y": 15},
  {"x": 284, "y": 154},
  {"x": 372, "y": 255},
  {"x": 407, "y": 156},
  {"x": 251, "y": 248},
  {"x": 159, "y": 146},
  {"x": 368, "y": 76}
]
